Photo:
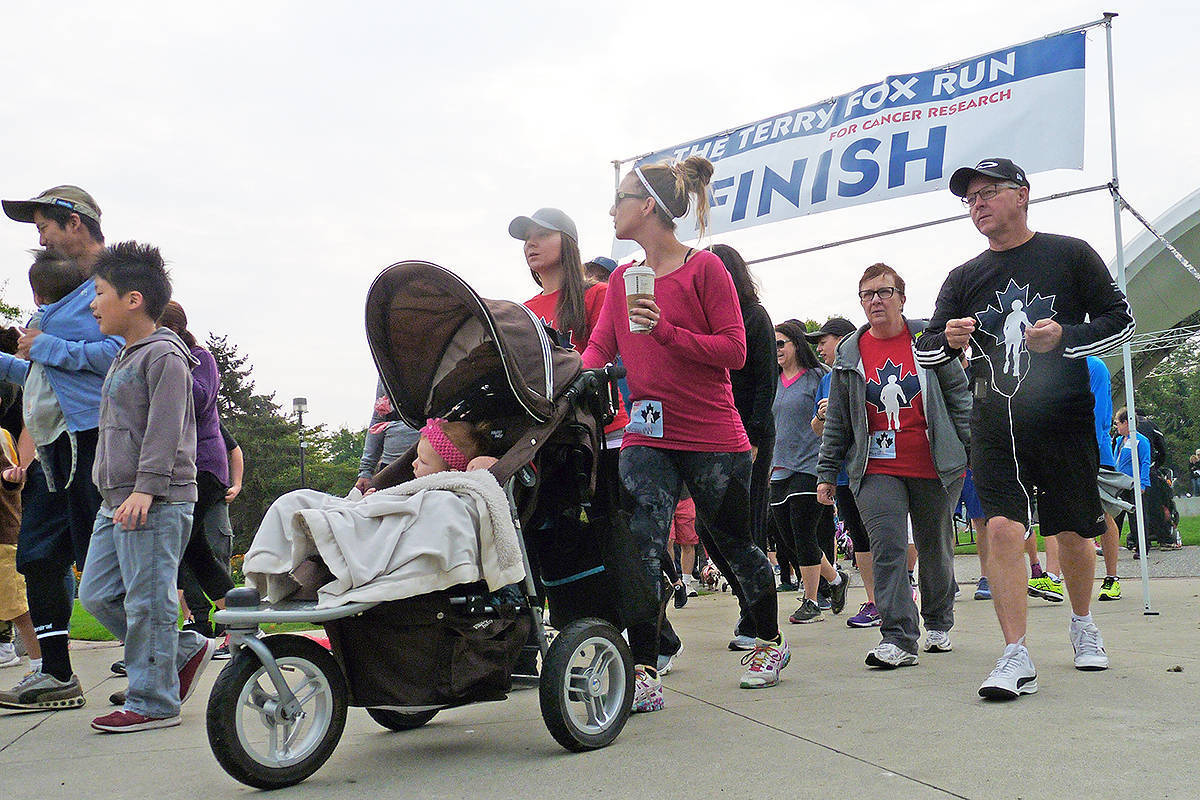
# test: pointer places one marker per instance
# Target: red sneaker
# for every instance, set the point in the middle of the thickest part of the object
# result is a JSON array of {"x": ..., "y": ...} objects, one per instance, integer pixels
[
  {"x": 130, "y": 721},
  {"x": 189, "y": 676}
]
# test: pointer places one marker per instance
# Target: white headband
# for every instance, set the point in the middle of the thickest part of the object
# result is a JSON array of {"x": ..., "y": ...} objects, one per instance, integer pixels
[{"x": 638, "y": 171}]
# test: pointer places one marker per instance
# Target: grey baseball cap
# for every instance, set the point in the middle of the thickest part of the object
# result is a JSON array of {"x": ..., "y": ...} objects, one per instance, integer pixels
[
  {"x": 549, "y": 218},
  {"x": 72, "y": 198}
]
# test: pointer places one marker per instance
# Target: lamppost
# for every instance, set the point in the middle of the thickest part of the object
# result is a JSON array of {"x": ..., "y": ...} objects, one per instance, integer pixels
[{"x": 300, "y": 405}]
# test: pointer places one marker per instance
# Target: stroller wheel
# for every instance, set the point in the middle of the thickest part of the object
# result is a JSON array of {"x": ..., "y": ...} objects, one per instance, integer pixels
[
  {"x": 586, "y": 688},
  {"x": 254, "y": 737},
  {"x": 400, "y": 720}
]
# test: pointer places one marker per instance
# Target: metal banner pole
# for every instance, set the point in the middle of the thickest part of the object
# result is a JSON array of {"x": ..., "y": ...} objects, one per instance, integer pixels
[{"x": 1126, "y": 356}]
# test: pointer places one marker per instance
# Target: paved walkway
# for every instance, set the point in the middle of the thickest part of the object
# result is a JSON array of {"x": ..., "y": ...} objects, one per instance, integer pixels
[{"x": 831, "y": 729}]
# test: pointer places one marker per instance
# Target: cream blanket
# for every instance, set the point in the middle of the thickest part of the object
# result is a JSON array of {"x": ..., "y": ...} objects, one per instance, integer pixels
[{"x": 427, "y": 534}]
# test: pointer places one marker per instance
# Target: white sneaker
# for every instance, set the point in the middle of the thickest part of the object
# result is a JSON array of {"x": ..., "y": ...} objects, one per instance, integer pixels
[
  {"x": 1013, "y": 676},
  {"x": 1089, "y": 647},
  {"x": 888, "y": 656},
  {"x": 937, "y": 642},
  {"x": 647, "y": 690},
  {"x": 8, "y": 655},
  {"x": 765, "y": 663}
]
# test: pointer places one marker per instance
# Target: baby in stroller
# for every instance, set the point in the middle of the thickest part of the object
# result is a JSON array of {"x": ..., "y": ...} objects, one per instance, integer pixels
[
  {"x": 424, "y": 586},
  {"x": 450, "y": 524}
]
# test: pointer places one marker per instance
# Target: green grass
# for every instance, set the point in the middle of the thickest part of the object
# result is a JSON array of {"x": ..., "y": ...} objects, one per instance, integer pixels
[
  {"x": 84, "y": 627},
  {"x": 1189, "y": 532}
]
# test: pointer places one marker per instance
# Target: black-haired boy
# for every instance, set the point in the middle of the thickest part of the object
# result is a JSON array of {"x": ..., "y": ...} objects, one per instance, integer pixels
[{"x": 145, "y": 469}]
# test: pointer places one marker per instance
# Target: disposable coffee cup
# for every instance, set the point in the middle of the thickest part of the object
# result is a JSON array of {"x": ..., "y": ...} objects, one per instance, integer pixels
[{"x": 639, "y": 284}]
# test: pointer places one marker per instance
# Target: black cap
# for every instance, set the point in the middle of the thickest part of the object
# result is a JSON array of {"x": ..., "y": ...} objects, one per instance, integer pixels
[
  {"x": 1001, "y": 168},
  {"x": 836, "y": 326}
]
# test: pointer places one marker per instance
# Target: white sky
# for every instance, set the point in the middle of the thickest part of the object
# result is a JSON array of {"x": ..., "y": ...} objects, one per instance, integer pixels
[{"x": 282, "y": 153}]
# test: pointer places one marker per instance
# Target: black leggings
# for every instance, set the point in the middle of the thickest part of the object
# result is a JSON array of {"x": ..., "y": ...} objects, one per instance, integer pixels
[
  {"x": 720, "y": 484},
  {"x": 801, "y": 519},
  {"x": 212, "y": 576},
  {"x": 847, "y": 508}
]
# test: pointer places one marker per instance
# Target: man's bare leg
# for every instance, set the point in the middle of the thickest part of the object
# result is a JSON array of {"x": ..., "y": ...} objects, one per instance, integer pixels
[
  {"x": 1110, "y": 540},
  {"x": 1078, "y": 556},
  {"x": 981, "y": 544},
  {"x": 1006, "y": 574},
  {"x": 866, "y": 571},
  {"x": 1053, "y": 565}
]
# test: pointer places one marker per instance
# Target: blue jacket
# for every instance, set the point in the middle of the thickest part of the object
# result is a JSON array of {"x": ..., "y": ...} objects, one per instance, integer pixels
[
  {"x": 1125, "y": 458},
  {"x": 76, "y": 356}
]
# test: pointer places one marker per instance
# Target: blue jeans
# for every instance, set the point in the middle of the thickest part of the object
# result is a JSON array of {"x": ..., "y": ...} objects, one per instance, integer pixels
[{"x": 129, "y": 586}]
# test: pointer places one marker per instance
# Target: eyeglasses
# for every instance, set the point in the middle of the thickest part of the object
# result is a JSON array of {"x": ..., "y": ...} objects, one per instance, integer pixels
[
  {"x": 885, "y": 293},
  {"x": 624, "y": 195},
  {"x": 986, "y": 193},
  {"x": 779, "y": 343}
]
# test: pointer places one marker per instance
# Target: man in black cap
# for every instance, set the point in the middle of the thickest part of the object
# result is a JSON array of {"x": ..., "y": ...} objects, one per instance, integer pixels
[
  {"x": 1032, "y": 307},
  {"x": 59, "y": 499}
]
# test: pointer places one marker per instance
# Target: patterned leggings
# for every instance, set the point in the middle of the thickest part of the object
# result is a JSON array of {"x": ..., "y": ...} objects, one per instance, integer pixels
[{"x": 720, "y": 484}]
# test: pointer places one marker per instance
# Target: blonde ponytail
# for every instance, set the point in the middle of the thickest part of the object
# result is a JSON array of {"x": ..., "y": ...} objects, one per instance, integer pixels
[{"x": 674, "y": 182}]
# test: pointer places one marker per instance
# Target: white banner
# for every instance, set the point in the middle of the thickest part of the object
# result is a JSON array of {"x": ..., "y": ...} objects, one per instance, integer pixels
[{"x": 900, "y": 136}]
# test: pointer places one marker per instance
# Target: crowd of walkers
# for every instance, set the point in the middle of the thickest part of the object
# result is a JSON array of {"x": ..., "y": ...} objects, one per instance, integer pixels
[
  {"x": 880, "y": 421},
  {"x": 733, "y": 434}
]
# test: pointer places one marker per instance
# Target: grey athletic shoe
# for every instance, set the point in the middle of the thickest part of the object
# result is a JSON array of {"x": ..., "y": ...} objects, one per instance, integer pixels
[
  {"x": 937, "y": 642},
  {"x": 1089, "y": 647},
  {"x": 888, "y": 656},
  {"x": 39, "y": 691},
  {"x": 1013, "y": 676},
  {"x": 742, "y": 642}
]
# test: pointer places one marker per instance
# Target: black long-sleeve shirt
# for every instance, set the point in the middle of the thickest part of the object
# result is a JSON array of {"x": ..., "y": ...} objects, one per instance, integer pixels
[
  {"x": 754, "y": 384},
  {"x": 1048, "y": 277}
]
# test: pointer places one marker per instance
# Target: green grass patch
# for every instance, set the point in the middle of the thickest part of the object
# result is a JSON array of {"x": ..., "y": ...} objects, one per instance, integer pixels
[
  {"x": 1189, "y": 533},
  {"x": 84, "y": 627}
]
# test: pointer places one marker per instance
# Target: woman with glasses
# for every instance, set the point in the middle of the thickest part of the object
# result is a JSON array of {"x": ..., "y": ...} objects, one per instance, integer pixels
[
  {"x": 685, "y": 429},
  {"x": 902, "y": 432},
  {"x": 803, "y": 522}
]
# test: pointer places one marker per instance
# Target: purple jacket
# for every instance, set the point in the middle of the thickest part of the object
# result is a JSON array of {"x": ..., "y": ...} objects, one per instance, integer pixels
[{"x": 210, "y": 446}]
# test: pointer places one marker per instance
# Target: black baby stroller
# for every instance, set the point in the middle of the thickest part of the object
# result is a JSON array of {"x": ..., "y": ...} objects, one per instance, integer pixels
[{"x": 279, "y": 706}]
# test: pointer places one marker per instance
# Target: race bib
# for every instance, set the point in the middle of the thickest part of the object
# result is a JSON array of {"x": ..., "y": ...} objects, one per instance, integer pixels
[
  {"x": 646, "y": 418},
  {"x": 883, "y": 444}
]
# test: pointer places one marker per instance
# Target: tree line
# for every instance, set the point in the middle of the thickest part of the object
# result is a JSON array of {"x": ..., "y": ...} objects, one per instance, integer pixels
[{"x": 270, "y": 441}]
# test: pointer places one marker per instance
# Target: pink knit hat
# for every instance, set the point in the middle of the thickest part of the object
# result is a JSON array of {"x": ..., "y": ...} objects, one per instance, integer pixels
[{"x": 443, "y": 446}]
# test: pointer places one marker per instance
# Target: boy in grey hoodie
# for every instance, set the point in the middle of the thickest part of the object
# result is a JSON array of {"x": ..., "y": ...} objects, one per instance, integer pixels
[{"x": 145, "y": 469}]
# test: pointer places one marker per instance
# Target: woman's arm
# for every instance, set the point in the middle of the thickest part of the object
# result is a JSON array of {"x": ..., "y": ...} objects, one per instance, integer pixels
[{"x": 726, "y": 345}]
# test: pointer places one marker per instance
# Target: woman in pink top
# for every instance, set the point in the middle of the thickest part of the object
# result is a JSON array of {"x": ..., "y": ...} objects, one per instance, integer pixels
[{"x": 685, "y": 428}]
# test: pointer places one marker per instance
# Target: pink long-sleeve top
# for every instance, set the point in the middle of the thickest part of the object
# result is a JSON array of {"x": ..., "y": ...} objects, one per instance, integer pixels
[{"x": 684, "y": 362}]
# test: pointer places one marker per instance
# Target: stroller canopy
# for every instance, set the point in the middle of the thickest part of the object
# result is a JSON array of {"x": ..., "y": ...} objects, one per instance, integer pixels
[{"x": 437, "y": 343}]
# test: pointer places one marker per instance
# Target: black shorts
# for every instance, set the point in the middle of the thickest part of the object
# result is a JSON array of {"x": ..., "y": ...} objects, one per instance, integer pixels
[{"x": 1058, "y": 461}]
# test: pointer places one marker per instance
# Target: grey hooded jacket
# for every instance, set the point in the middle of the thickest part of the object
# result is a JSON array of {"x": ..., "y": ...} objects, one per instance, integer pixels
[
  {"x": 147, "y": 436},
  {"x": 947, "y": 402}
]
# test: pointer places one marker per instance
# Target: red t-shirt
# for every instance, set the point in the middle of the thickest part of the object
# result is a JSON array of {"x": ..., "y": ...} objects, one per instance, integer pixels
[
  {"x": 895, "y": 408},
  {"x": 678, "y": 373},
  {"x": 546, "y": 307}
]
